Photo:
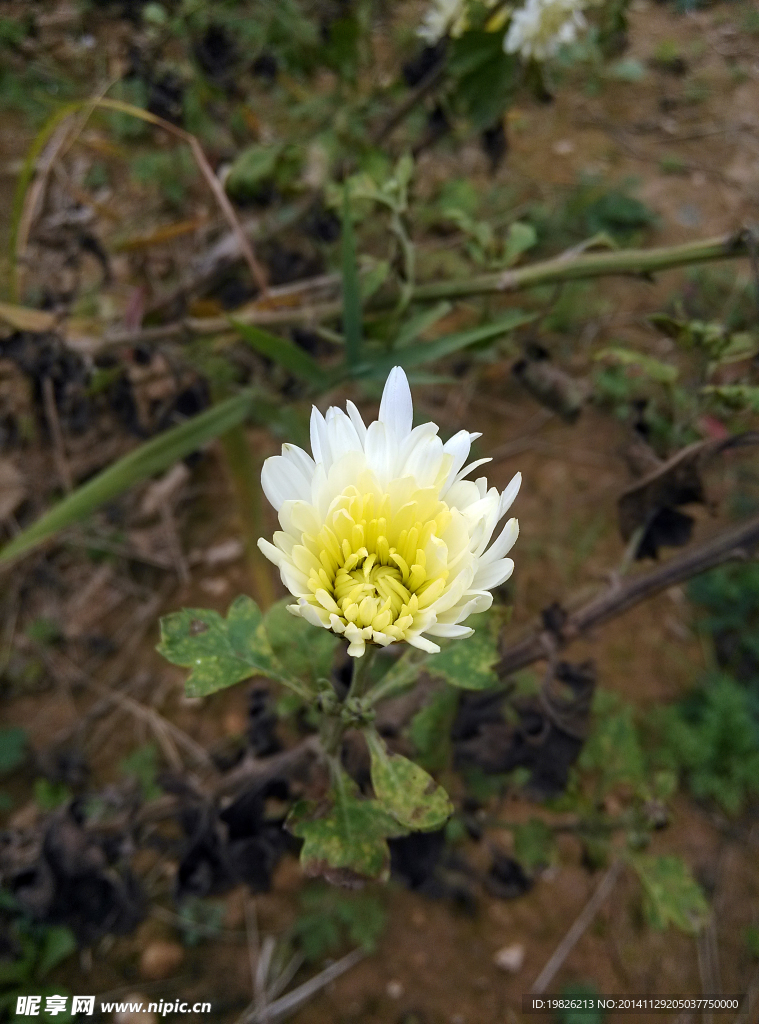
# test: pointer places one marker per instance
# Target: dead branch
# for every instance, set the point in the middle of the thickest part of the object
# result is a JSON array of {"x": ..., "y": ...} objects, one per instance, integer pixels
[{"x": 733, "y": 544}]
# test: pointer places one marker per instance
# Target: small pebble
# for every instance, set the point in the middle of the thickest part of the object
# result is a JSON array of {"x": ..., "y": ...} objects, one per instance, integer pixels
[
  {"x": 133, "y": 1016},
  {"x": 510, "y": 958},
  {"x": 394, "y": 989},
  {"x": 160, "y": 960}
]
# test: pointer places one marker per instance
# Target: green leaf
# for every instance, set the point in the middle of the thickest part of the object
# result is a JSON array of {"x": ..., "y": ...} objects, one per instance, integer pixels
[
  {"x": 520, "y": 238},
  {"x": 58, "y": 943},
  {"x": 345, "y": 841},
  {"x": 152, "y": 457},
  {"x": 330, "y": 918},
  {"x": 736, "y": 396},
  {"x": 352, "y": 316},
  {"x": 613, "y": 750},
  {"x": 285, "y": 352},
  {"x": 672, "y": 895},
  {"x": 485, "y": 76},
  {"x": 533, "y": 843},
  {"x": 425, "y": 353},
  {"x": 304, "y": 651},
  {"x": 429, "y": 730},
  {"x": 662, "y": 373},
  {"x": 252, "y": 169},
  {"x": 406, "y": 790},
  {"x": 221, "y": 651},
  {"x": 468, "y": 664},
  {"x": 12, "y": 749},
  {"x": 49, "y": 795}
]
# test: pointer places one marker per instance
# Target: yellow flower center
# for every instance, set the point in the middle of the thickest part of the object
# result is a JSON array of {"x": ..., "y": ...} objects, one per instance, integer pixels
[{"x": 369, "y": 563}]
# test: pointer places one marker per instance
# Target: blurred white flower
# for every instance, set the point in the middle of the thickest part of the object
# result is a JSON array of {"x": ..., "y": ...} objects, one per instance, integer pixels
[
  {"x": 383, "y": 539},
  {"x": 540, "y": 28},
  {"x": 442, "y": 17}
]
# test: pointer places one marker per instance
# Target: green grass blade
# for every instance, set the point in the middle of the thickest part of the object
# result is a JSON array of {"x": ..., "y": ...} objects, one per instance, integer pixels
[
  {"x": 152, "y": 457},
  {"x": 418, "y": 355},
  {"x": 352, "y": 318},
  {"x": 284, "y": 352},
  {"x": 420, "y": 323}
]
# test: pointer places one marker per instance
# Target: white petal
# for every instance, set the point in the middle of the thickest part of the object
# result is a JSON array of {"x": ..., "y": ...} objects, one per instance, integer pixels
[
  {"x": 458, "y": 447},
  {"x": 493, "y": 574},
  {"x": 269, "y": 551},
  {"x": 300, "y": 459},
  {"x": 380, "y": 452},
  {"x": 450, "y": 630},
  {"x": 424, "y": 462},
  {"x": 502, "y": 544},
  {"x": 357, "y": 421},
  {"x": 283, "y": 481},
  {"x": 471, "y": 467},
  {"x": 508, "y": 496},
  {"x": 396, "y": 408},
  {"x": 319, "y": 443},
  {"x": 341, "y": 434},
  {"x": 423, "y": 644},
  {"x": 316, "y": 616}
]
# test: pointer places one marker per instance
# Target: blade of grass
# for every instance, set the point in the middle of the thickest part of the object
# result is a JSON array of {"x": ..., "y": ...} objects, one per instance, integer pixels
[
  {"x": 427, "y": 353},
  {"x": 155, "y": 455},
  {"x": 294, "y": 359},
  {"x": 55, "y": 123},
  {"x": 421, "y": 322},
  {"x": 352, "y": 317}
]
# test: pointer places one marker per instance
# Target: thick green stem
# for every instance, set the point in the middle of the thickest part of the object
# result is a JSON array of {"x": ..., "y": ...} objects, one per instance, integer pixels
[
  {"x": 636, "y": 262},
  {"x": 631, "y": 262}
]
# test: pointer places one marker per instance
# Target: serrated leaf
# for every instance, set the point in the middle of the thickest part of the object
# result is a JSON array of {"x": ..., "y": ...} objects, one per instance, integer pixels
[
  {"x": 468, "y": 663},
  {"x": 346, "y": 841},
  {"x": 220, "y": 651},
  {"x": 304, "y": 651},
  {"x": 672, "y": 895},
  {"x": 406, "y": 790}
]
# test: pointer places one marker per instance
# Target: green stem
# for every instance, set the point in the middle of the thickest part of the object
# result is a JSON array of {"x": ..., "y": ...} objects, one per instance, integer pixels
[
  {"x": 630, "y": 262},
  {"x": 636, "y": 262},
  {"x": 361, "y": 673}
]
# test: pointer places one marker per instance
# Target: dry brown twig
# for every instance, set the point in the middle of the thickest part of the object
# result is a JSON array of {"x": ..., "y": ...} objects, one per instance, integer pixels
[
  {"x": 578, "y": 928},
  {"x": 735, "y": 543}
]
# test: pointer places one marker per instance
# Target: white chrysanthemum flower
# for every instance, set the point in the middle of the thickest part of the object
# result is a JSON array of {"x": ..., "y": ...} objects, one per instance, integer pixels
[
  {"x": 540, "y": 28},
  {"x": 442, "y": 17},
  {"x": 383, "y": 539}
]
